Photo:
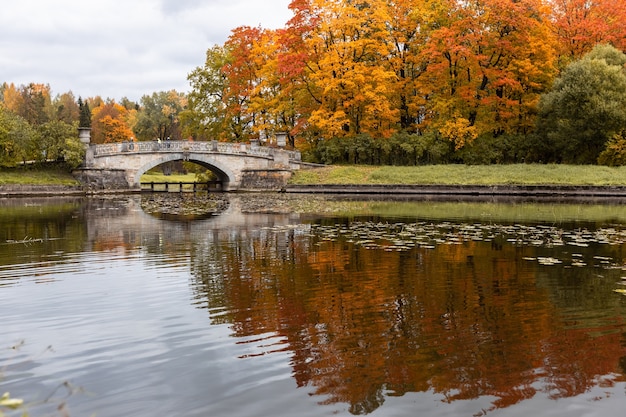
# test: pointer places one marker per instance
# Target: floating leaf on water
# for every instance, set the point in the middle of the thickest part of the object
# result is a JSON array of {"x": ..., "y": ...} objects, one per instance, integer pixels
[
  {"x": 548, "y": 261},
  {"x": 582, "y": 245},
  {"x": 8, "y": 402}
]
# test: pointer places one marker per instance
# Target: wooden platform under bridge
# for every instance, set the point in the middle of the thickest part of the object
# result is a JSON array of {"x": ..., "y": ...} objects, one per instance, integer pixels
[{"x": 191, "y": 187}]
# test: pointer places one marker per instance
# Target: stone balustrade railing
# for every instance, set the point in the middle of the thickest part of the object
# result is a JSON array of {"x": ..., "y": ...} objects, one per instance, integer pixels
[{"x": 189, "y": 146}]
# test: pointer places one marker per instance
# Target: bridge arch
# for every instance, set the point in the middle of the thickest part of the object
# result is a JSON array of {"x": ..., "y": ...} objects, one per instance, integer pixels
[{"x": 223, "y": 173}]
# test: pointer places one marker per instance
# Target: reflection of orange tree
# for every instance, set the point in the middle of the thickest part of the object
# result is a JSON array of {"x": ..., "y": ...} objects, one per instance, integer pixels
[
  {"x": 568, "y": 374},
  {"x": 463, "y": 320}
]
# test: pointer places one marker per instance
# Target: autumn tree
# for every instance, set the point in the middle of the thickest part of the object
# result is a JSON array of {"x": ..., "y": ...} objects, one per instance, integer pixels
[
  {"x": 129, "y": 104},
  {"x": 241, "y": 71},
  {"x": 289, "y": 73},
  {"x": 487, "y": 64},
  {"x": 614, "y": 152},
  {"x": 582, "y": 24},
  {"x": 65, "y": 108},
  {"x": 272, "y": 101},
  {"x": 451, "y": 70},
  {"x": 110, "y": 123},
  {"x": 37, "y": 129},
  {"x": 219, "y": 103},
  {"x": 585, "y": 108},
  {"x": 352, "y": 88},
  {"x": 409, "y": 27},
  {"x": 32, "y": 102}
]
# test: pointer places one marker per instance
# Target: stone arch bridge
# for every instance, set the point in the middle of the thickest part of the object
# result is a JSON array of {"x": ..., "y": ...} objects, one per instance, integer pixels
[{"x": 237, "y": 166}]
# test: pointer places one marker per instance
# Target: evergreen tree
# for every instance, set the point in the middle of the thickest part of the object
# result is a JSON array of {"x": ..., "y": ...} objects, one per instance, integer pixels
[{"x": 85, "y": 113}]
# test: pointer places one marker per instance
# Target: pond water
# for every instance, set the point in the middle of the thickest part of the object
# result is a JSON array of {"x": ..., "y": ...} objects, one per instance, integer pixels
[{"x": 282, "y": 305}]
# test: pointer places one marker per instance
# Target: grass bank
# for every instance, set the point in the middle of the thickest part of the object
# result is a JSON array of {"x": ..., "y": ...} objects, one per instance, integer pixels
[
  {"x": 518, "y": 174},
  {"x": 32, "y": 175},
  {"x": 50, "y": 175}
]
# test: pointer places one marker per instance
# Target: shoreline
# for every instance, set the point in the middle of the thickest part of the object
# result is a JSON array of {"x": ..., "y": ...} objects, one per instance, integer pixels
[
  {"x": 26, "y": 190},
  {"x": 464, "y": 190},
  {"x": 469, "y": 191}
]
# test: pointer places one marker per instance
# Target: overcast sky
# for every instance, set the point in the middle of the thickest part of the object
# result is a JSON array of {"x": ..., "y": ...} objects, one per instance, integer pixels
[{"x": 120, "y": 48}]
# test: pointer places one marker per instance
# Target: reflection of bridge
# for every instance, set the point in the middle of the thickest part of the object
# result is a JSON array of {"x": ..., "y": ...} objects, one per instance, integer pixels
[
  {"x": 130, "y": 225},
  {"x": 237, "y": 166}
]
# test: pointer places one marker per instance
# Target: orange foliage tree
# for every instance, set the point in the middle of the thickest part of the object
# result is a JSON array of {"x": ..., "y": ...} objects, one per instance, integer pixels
[
  {"x": 459, "y": 69},
  {"x": 31, "y": 101},
  {"x": 582, "y": 24},
  {"x": 487, "y": 65},
  {"x": 110, "y": 123},
  {"x": 241, "y": 71},
  {"x": 272, "y": 101}
]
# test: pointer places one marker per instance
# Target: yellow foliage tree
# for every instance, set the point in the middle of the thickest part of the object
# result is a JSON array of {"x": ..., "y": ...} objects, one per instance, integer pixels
[
  {"x": 347, "y": 80},
  {"x": 459, "y": 131}
]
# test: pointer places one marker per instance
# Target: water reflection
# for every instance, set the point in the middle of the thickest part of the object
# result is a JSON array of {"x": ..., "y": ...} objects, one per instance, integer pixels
[
  {"x": 366, "y": 302},
  {"x": 372, "y": 310}
]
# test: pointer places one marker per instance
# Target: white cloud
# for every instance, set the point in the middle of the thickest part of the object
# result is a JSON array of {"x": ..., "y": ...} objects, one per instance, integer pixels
[{"x": 120, "y": 48}]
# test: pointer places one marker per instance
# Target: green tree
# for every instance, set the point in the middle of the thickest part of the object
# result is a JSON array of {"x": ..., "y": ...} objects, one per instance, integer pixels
[
  {"x": 54, "y": 137},
  {"x": 73, "y": 152},
  {"x": 585, "y": 108},
  {"x": 158, "y": 116},
  {"x": 17, "y": 137},
  {"x": 205, "y": 117}
]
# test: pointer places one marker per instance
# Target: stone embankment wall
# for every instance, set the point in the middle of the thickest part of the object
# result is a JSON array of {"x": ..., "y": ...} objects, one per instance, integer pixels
[
  {"x": 265, "y": 179},
  {"x": 16, "y": 190},
  {"x": 101, "y": 179}
]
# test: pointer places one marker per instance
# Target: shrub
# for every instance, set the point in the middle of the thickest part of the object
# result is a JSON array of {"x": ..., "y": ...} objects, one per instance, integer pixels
[{"x": 614, "y": 154}]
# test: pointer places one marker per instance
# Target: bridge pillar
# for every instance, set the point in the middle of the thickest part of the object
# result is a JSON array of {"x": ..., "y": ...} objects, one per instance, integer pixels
[
  {"x": 84, "y": 135},
  {"x": 281, "y": 159}
]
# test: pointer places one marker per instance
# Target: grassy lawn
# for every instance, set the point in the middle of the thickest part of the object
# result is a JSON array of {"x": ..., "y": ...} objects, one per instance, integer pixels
[
  {"x": 518, "y": 174},
  {"x": 159, "y": 177},
  {"x": 36, "y": 176}
]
